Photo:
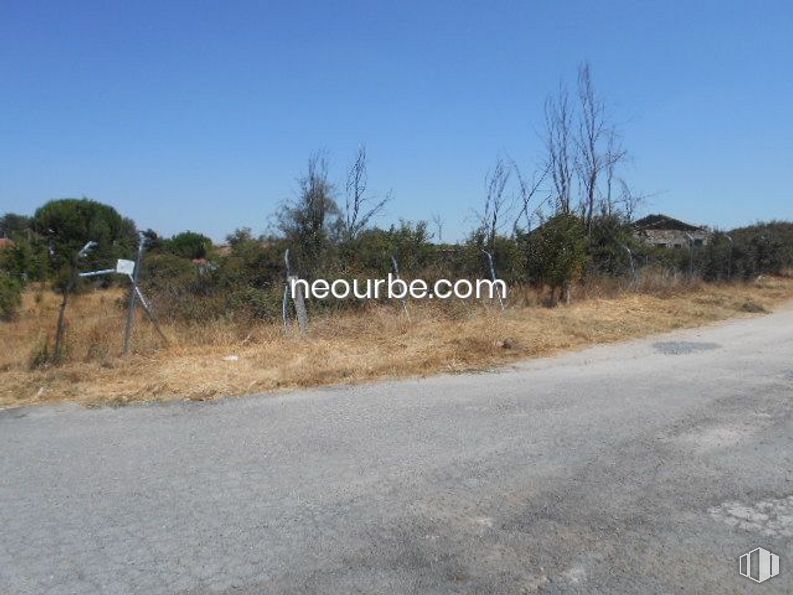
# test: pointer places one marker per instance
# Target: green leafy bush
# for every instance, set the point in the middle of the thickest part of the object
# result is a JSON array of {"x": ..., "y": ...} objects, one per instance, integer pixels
[
  {"x": 556, "y": 252},
  {"x": 188, "y": 244}
]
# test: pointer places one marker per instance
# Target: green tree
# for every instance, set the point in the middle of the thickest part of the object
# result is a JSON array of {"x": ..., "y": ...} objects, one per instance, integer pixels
[
  {"x": 241, "y": 236},
  {"x": 68, "y": 224},
  {"x": 14, "y": 226},
  {"x": 152, "y": 241}
]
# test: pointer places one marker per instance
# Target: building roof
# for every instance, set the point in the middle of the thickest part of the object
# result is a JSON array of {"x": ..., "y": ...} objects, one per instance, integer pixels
[
  {"x": 665, "y": 223},
  {"x": 6, "y": 243}
]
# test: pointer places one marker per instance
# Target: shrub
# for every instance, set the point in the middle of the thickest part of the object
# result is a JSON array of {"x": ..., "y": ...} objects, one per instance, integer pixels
[
  {"x": 716, "y": 261},
  {"x": 556, "y": 253},
  {"x": 765, "y": 248},
  {"x": 256, "y": 303},
  {"x": 188, "y": 244},
  {"x": 28, "y": 259},
  {"x": 10, "y": 296},
  {"x": 609, "y": 241},
  {"x": 40, "y": 356}
]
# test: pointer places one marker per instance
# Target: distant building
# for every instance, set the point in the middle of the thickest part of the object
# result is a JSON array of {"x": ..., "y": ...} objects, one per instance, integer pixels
[
  {"x": 6, "y": 243},
  {"x": 666, "y": 232}
]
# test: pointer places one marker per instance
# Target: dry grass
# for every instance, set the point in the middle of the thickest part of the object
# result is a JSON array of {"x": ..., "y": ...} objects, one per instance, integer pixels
[{"x": 378, "y": 342}]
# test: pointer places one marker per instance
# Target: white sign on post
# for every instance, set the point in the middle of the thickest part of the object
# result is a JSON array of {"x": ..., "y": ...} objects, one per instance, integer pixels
[{"x": 125, "y": 267}]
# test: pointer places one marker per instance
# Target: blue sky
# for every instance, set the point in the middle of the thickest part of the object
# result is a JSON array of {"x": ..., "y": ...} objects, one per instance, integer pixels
[{"x": 201, "y": 115}]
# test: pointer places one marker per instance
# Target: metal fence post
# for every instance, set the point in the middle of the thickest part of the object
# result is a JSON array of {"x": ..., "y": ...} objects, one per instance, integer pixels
[{"x": 133, "y": 296}]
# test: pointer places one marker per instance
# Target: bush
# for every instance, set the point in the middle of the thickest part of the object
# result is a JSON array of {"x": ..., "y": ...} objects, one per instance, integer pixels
[
  {"x": 610, "y": 239},
  {"x": 173, "y": 283},
  {"x": 27, "y": 260},
  {"x": 256, "y": 303},
  {"x": 10, "y": 296},
  {"x": 716, "y": 261},
  {"x": 371, "y": 252},
  {"x": 40, "y": 356},
  {"x": 240, "y": 286},
  {"x": 556, "y": 253},
  {"x": 188, "y": 244},
  {"x": 762, "y": 249}
]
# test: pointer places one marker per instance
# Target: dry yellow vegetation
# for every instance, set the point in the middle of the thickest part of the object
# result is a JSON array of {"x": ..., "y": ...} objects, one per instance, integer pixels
[{"x": 376, "y": 342}]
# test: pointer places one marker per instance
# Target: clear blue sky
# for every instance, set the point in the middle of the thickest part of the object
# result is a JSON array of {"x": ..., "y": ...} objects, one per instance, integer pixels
[{"x": 201, "y": 115}]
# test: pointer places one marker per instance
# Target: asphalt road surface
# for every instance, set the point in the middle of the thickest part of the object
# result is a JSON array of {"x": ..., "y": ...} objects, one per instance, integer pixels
[{"x": 644, "y": 467}]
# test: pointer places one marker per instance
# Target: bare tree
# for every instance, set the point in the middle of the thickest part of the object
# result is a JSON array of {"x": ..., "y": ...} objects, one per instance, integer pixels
[
  {"x": 437, "y": 220},
  {"x": 360, "y": 208},
  {"x": 628, "y": 200},
  {"x": 495, "y": 202},
  {"x": 559, "y": 147},
  {"x": 620, "y": 197},
  {"x": 608, "y": 206},
  {"x": 527, "y": 190},
  {"x": 598, "y": 146}
]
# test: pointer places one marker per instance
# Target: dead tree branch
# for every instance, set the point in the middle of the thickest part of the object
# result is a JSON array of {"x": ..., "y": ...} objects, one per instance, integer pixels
[{"x": 360, "y": 208}]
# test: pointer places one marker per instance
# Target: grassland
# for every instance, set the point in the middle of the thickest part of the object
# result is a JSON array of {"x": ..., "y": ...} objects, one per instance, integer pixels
[{"x": 373, "y": 343}]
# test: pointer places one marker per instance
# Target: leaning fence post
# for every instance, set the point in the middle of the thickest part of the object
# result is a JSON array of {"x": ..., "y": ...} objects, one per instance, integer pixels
[
  {"x": 493, "y": 277},
  {"x": 130, "y": 270},
  {"x": 147, "y": 309},
  {"x": 403, "y": 299},
  {"x": 634, "y": 275},
  {"x": 133, "y": 296},
  {"x": 300, "y": 306},
  {"x": 297, "y": 298}
]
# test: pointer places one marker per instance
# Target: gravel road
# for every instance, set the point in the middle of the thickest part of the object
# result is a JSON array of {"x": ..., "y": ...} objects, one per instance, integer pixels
[{"x": 643, "y": 467}]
